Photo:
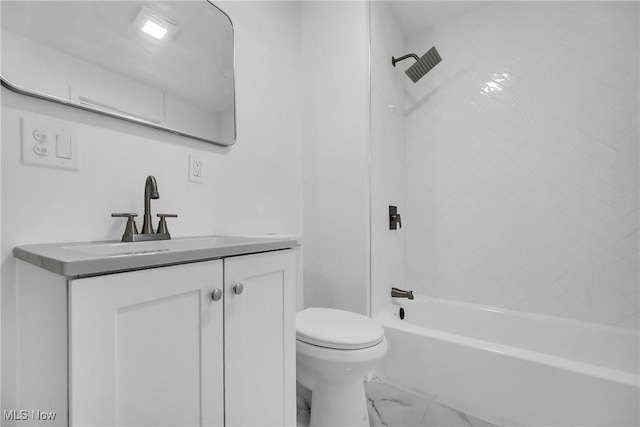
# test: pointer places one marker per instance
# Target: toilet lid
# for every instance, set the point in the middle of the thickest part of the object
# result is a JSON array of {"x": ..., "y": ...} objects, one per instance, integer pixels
[{"x": 339, "y": 329}]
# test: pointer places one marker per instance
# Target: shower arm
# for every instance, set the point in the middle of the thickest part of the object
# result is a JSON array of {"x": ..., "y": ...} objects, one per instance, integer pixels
[{"x": 402, "y": 58}]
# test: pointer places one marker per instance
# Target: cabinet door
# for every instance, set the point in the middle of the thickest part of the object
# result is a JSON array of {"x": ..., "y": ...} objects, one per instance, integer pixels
[
  {"x": 260, "y": 356},
  {"x": 146, "y": 348}
]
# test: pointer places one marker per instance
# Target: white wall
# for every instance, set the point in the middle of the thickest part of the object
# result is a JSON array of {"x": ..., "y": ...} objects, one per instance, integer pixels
[
  {"x": 522, "y": 160},
  {"x": 254, "y": 187},
  {"x": 387, "y": 155},
  {"x": 335, "y": 105}
]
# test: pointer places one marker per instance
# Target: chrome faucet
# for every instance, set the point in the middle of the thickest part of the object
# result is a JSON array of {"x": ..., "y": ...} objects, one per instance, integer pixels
[
  {"x": 399, "y": 293},
  {"x": 150, "y": 192}
]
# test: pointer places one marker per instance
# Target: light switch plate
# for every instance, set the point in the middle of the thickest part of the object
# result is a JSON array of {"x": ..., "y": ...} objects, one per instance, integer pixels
[{"x": 49, "y": 143}]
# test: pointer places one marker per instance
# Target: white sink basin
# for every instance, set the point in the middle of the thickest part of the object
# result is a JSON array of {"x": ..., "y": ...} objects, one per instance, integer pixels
[
  {"x": 90, "y": 258},
  {"x": 142, "y": 248}
]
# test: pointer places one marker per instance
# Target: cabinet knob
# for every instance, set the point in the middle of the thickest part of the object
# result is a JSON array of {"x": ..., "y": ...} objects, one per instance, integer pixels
[
  {"x": 216, "y": 294},
  {"x": 238, "y": 288}
]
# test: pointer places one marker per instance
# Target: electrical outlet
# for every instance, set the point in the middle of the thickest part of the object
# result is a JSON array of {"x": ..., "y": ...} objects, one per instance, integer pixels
[
  {"x": 49, "y": 143},
  {"x": 195, "y": 168}
]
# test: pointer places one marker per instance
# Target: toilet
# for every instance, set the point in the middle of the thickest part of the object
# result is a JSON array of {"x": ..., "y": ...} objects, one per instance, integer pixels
[{"x": 335, "y": 350}]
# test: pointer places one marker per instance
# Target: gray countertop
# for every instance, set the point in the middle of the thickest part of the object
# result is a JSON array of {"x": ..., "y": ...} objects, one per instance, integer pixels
[{"x": 91, "y": 258}]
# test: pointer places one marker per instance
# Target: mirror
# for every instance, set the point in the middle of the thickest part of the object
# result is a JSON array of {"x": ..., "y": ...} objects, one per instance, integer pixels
[{"x": 163, "y": 64}]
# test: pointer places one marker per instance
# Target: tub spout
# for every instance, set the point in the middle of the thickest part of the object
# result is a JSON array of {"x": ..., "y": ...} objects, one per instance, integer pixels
[{"x": 399, "y": 293}]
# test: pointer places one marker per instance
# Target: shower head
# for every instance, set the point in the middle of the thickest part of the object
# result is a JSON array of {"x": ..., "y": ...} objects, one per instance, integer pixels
[{"x": 422, "y": 66}]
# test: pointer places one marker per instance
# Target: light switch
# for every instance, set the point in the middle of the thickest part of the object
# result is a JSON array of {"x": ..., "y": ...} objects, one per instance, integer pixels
[{"x": 63, "y": 145}]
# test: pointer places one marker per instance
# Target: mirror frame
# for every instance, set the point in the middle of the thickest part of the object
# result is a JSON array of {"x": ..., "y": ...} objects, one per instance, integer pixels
[{"x": 68, "y": 102}]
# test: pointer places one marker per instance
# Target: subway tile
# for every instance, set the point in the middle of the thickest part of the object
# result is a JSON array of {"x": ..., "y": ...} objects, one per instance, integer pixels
[
  {"x": 631, "y": 322},
  {"x": 610, "y": 174},
  {"x": 544, "y": 166},
  {"x": 592, "y": 146},
  {"x": 627, "y": 122},
  {"x": 628, "y": 245},
  {"x": 591, "y": 183}
]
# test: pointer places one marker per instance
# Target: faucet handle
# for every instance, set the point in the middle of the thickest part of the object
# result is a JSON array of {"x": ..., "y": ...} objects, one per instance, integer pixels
[
  {"x": 162, "y": 227},
  {"x": 130, "y": 228}
]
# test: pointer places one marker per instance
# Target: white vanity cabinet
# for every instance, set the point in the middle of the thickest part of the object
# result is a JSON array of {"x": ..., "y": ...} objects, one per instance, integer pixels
[
  {"x": 145, "y": 347},
  {"x": 153, "y": 347},
  {"x": 259, "y": 340}
]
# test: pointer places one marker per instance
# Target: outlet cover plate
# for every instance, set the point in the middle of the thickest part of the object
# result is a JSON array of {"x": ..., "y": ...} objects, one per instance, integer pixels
[{"x": 195, "y": 168}]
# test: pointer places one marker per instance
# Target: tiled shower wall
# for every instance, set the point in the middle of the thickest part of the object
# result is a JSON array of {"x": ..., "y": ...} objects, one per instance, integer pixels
[{"x": 522, "y": 160}]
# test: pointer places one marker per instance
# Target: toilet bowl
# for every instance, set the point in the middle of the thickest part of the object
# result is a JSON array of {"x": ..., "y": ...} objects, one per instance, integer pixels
[{"x": 335, "y": 350}]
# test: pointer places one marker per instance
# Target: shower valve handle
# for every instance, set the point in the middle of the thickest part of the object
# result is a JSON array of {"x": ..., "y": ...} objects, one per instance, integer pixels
[{"x": 395, "y": 221}]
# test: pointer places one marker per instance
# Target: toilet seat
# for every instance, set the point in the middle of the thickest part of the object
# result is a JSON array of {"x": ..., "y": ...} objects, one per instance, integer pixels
[{"x": 337, "y": 329}]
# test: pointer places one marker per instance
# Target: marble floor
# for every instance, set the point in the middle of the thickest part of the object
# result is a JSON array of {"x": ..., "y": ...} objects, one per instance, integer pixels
[{"x": 390, "y": 406}]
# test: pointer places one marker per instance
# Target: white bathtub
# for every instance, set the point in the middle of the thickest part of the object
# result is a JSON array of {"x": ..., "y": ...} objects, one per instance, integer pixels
[{"x": 514, "y": 368}]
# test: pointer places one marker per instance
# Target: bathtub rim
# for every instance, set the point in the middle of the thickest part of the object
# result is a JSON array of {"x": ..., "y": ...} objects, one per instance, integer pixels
[
  {"x": 388, "y": 317},
  {"x": 522, "y": 314}
]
